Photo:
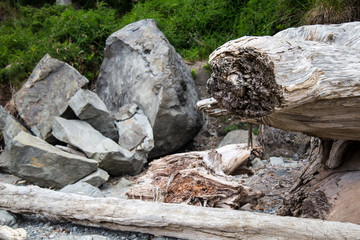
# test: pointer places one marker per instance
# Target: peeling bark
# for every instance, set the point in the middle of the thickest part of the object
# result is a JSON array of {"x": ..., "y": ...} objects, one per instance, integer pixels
[{"x": 199, "y": 178}]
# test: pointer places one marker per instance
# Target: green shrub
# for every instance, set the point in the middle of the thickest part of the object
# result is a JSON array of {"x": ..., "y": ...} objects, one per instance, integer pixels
[
  {"x": 74, "y": 36},
  {"x": 193, "y": 73}
]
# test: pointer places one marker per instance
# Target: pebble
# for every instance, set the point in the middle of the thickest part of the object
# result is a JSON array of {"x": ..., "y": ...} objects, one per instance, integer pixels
[{"x": 276, "y": 161}]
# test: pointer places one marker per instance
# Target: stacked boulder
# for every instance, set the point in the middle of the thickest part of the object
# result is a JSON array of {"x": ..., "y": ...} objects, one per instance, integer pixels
[
  {"x": 67, "y": 134},
  {"x": 140, "y": 66}
]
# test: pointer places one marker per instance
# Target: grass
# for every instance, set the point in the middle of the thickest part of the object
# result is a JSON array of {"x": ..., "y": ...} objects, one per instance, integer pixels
[{"x": 29, "y": 29}]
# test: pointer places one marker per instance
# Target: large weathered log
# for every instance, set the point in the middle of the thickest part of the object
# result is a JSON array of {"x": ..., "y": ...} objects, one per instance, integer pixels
[
  {"x": 177, "y": 220},
  {"x": 306, "y": 82},
  {"x": 199, "y": 178}
]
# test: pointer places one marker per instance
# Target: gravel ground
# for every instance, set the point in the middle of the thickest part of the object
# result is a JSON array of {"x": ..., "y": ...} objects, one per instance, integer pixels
[{"x": 39, "y": 227}]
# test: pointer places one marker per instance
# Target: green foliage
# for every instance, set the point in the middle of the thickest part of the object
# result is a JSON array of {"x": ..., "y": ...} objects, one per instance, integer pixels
[
  {"x": 194, "y": 27},
  {"x": 74, "y": 36},
  {"x": 29, "y": 29},
  {"x": 193, "y": 73}
]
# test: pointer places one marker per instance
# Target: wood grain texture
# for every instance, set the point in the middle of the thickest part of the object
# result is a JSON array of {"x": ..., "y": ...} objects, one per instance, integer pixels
[
  {"x": 302, "y": 79},
  {"x": 177, "y": 220},
  {"x": 199, "y": 178}
]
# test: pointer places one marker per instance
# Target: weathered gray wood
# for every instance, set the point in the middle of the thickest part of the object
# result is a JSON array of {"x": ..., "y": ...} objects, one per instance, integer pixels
[
  {"x": 199, "y": 178},
  {"x": 177, "y": 220},
  {"x": 7, "y": 233},
  {"x": 307, "y": 82}
]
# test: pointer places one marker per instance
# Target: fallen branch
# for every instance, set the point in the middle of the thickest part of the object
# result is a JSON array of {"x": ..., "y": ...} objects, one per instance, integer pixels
[{"x": 177, "y": 220}]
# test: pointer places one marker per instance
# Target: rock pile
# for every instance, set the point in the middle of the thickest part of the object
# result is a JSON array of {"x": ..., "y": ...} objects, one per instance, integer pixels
[{"x": 145, "y": 103}]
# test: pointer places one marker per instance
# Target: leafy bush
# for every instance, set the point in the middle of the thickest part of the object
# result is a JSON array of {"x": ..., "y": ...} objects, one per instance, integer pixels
[
  {"x": 74, "y": 36},
  {"x": 197, "y": 27},
  {"x": 194, "y": 27}
]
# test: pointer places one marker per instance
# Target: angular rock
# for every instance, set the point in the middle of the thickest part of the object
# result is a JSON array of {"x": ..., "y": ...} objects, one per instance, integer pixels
[
  {"x": 257, "y": 163},
  {"x": 82, "y": 188},
  {"x": 89, "y": 107},
  {"x": 9, "y": 126},
  {"x": 97, "y": 178},
  {"x": 46, "y": 93},
  {"x": 5, "y": 161},
  {"x": 236, "y": 137},
  {"x": 9, "y": 178},
  {"x": 113, "y": 158},
  {"x": 277, "y": 161},
  {"x": 140, "y": 66},
  {"x": 6, "y": 218},
  {"x": 281, "y": 143},
  {"x": 38, "y": 162},
  {"x": 135, "y": 132}
]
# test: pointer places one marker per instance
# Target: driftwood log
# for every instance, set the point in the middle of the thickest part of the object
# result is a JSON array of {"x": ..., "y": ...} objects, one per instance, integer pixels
[
  {"x": 305, "y": 80},
  {"x": 163, "y": 219},
  {"x": 199, "y": 178}
]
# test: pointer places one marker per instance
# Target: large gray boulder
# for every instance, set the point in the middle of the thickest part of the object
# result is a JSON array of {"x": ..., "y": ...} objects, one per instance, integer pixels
[
  {"x": 38, "y": 162},
  {"x": 135, "y": 132},
  {"x": 9, "y": 127},
  {"x": 111, "y": 156},
  {"x": 140, "y": 66},
  {"x": 46, "y": 93},
  {"x": 89, "y": 107}
]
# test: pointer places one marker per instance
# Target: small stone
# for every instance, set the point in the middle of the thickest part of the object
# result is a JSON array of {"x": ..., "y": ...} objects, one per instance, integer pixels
[
  {"x": 96, "y": 178},
  {"x": 6, "y": 218},
  {"x": 82, "y": 188},
  {"x": 257, "y": 163},
  {"x": 276, "y": 161},
  {"x": 236, "y": 137},
  {"x": 293, "y": 165}
]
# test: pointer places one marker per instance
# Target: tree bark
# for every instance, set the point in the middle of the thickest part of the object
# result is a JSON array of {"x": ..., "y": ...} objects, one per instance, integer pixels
[
  {"x": 199, "y": 178},
  {"x": 176, "y": 220},
  {"x": 297, "y": 84}
]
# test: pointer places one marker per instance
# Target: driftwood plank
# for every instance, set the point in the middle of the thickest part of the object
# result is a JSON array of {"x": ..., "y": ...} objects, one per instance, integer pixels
[{"x": 177, "y": 220}]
